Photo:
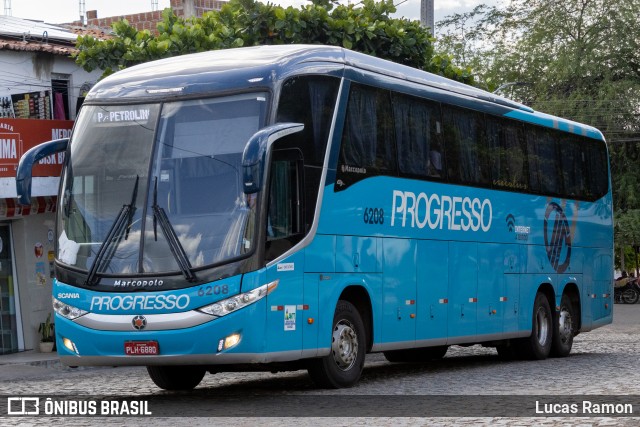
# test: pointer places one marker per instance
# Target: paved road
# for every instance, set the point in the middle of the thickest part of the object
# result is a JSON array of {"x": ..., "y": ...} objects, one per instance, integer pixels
[{"x": 603, "y": 362}]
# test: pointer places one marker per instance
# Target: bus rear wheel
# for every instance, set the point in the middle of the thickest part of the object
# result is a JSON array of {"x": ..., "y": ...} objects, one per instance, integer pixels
[
  {"x": 538, "y": 345},
  {"x": 416, "y": 355},
  {"x": 343, "y": 366},
  {"x": 176, "y": 377},
  {"x": 563, "y": 329}
]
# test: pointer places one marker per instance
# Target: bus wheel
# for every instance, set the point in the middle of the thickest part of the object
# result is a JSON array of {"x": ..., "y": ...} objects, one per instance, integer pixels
[
  {"x": 416, "y": 355},
  {"x": 630, "y": 296},
  {"x": 343, "y": 366},
  {"x": 176, "y": 377},
  {"x": 563, "y": 329},
  {"x": 538, "y": 345}
]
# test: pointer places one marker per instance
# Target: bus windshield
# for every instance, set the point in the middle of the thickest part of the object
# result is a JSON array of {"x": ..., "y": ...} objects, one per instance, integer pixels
[{"x": 157, "y": 188}]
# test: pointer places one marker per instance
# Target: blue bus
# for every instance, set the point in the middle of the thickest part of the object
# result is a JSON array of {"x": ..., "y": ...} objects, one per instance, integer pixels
[{"x": 297, "y": 207}]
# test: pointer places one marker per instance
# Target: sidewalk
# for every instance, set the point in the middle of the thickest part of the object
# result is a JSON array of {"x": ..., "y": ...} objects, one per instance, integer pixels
[{"x": 31, "y": 357}]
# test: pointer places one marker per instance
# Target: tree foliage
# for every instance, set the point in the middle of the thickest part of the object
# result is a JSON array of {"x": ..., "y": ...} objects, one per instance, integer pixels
[
  {"x": 578, "y": 59},
  {"x": 367, "y": 28}
]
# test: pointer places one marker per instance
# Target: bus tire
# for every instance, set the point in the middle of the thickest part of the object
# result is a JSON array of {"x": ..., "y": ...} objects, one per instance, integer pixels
[
  {"x": 416, "y": 355},
  {"x": 538, "y": 345},
  {"x": 343, "y": 366},
  {"x": 176, "y": 377},
  {"x": 564, "y": 329},
  {"x": 630, "y": 296}
]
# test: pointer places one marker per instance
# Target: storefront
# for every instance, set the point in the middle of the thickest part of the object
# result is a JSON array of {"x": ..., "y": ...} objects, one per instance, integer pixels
[{"x": 27, "y": 233}]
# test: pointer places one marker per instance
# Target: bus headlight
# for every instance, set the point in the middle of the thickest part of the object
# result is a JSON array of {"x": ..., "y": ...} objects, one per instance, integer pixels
[
  {"x": 67, "y": 311},
  {"x": 229, "y": 305}
]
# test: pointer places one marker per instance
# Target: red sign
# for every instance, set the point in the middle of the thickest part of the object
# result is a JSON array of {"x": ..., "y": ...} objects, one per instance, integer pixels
[{"x": 19, "y": 135}]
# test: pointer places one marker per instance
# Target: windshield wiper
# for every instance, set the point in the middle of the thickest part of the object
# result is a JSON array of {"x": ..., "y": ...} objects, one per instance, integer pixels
[
  {"x": 114, "y": 235},
  {"x": 160, "y": 216}
]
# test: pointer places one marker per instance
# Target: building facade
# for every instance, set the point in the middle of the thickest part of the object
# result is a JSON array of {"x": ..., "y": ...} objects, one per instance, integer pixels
[{"x": 40, "y": 92}]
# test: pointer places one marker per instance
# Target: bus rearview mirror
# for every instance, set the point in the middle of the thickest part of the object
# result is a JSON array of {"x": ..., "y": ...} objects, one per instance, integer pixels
[
  {"x": 28, "y": 159},
  {"x": 256, "y": 150}
]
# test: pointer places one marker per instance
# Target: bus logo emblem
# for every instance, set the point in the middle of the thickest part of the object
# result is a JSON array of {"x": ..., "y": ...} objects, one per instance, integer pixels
[
  {"x": 511, "y": 223},
  {"x": 139, "y": 322},
  {"x": 557, "y": 237}
]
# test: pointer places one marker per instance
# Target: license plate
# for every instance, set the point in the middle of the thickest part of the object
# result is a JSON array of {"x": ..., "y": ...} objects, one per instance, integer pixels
[{"x": 141, "y": 348}]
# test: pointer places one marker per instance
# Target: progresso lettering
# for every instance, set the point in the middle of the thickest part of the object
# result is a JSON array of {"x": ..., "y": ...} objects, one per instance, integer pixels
[
  {"x": 440, "y": 212},
  {"x": 140, "y": 302}
]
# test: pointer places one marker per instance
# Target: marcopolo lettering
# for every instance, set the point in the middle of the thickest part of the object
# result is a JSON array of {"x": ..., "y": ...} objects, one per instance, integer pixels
[
  {"x": 140, "y": 302},
  {"x": 137, "y": 283},
  {"x": 440, "y": 212}
]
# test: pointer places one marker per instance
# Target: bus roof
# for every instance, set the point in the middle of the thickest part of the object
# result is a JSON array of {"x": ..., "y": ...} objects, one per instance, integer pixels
[{"x": 262, "y": 66}]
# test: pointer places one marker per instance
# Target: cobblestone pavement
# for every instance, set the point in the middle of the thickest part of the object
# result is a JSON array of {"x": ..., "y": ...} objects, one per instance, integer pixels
[{"x": 603, "y": 362}]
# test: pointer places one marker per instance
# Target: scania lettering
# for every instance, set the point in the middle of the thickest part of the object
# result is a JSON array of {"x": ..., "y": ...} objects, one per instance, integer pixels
[{"x": 299, "y": 207}]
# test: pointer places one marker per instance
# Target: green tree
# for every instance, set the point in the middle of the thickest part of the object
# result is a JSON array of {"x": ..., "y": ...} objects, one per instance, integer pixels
[
  {"x": 628, "y": 243},
  {"x": 578, "y": 59},
  {"x": 367, "y": 27}
]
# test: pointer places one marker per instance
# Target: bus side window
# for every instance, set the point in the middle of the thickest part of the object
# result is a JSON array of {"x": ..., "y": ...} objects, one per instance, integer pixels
[
  {"x": 544, "y": 173},
  {"x": 418, "y": 132},
  {"x": 508, "y": 154},
  {"x": 285, "y": 205},
  {"x": 466, "y": 151},
  {"x": 309, "y": 99},
  {"x": 368, "y": 140}
]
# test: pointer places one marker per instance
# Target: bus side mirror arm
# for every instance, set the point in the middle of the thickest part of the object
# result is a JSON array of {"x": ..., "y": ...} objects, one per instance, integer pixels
[
  {"x": 255, "y": 152},
  {"x": 28, "y": 159}
]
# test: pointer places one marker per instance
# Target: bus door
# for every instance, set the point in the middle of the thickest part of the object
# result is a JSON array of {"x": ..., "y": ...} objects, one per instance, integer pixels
[
  {"x": 491, "y": 288},
  {"x": 510, "y": 298},
  {"x": 284, "y": 228},
  {"x": 432, "y": 291},
  {"x": 399, "y": 309},
  {"x": 463, "y": 290},
  {"x": 498, "y": 288}
]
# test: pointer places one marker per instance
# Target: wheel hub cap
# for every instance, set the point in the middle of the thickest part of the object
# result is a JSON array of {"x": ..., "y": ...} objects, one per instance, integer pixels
[
  {"x": 542, "y": 321},
  {"x": 344, "y": 346},
  {"x": 565, "y": 328}
]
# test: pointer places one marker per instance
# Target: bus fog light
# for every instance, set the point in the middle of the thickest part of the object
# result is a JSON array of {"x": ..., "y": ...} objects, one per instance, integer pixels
[
  {"x": 231, "y": 340},
  {"x": 69, "y": 345}
]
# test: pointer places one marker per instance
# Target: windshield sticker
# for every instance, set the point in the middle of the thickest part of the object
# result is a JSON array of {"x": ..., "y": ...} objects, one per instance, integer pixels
[
  {"x": 140, "y": 115},
  {"x": 67, "y": 249},
  {"x": 289, "y": 317}
]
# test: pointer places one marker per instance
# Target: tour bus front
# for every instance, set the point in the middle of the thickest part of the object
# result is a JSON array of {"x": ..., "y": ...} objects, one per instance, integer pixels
[{"x": 154, "y": 232}]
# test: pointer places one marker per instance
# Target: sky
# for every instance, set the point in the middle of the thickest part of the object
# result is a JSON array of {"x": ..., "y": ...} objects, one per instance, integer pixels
[{"x": 61, "y": 11}]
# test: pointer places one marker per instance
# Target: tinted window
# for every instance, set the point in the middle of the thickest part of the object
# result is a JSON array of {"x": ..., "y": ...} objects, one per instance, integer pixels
[
  {"x": 418, "y": 130},
  {"x": 368, "y": 139},
  {"x": 309, "y": 100},
  {"x": 597, "y": 169},
  {"x": 507, "y": 154},
  {"x": 544, "y": 171},
  {"x": 573, "y": 166},
  {"x": 465, "y": 146}
]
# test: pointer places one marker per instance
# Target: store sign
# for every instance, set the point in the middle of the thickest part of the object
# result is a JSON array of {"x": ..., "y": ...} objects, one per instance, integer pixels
[{"x": 19, "y": 135}]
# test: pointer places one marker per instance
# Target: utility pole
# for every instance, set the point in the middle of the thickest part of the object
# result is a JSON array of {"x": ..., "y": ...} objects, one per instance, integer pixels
[
  {"x": 83, "y": 12},
  {"x": 7, "y": 7},
  {"x": 427, "y": 15}
]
